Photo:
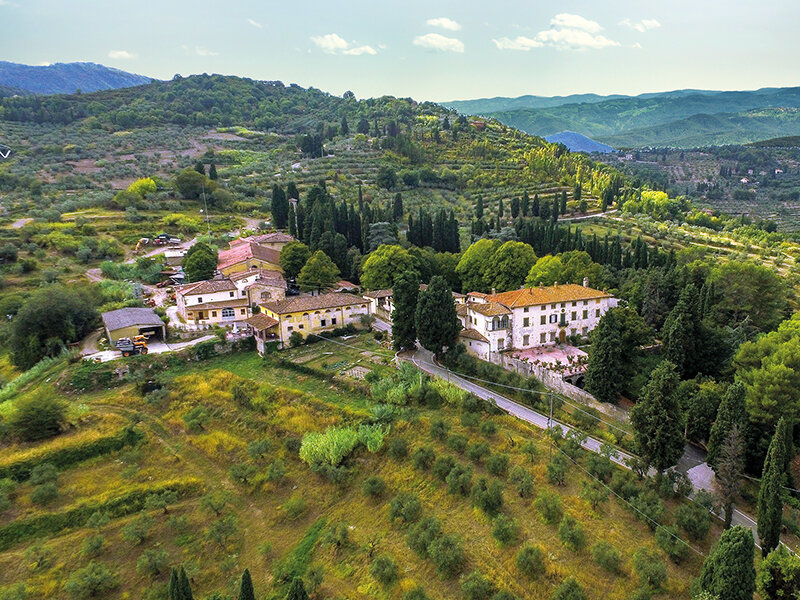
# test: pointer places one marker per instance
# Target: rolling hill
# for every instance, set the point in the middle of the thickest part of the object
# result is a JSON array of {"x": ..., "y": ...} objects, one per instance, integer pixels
[
  {"x": 578, "y": 143},
  {"x": 66, "y": 78},
  {"x": 656, "y": 120}
]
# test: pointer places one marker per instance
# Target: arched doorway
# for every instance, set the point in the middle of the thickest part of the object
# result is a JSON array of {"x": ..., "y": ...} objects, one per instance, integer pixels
[{"x": 562, "y": 336}]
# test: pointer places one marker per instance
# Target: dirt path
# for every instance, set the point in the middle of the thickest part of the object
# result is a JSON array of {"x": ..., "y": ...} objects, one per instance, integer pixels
[{"x": 19, "y": 223}]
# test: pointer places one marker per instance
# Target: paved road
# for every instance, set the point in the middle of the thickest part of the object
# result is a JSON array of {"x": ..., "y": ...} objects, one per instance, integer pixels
[
  {"x": 381, "y": 325},
  {"x": 584, "y": 217},
  {"x": 693, "y": 460}
]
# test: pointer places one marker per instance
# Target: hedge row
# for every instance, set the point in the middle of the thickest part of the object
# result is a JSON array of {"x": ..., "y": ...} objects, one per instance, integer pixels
[
  {"x": 120, "y": 506},
  {"x": 65, "y": 457}
]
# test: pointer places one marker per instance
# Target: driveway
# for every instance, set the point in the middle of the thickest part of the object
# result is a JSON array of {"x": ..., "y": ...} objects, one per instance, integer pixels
[{"x": 154, "y": 347}]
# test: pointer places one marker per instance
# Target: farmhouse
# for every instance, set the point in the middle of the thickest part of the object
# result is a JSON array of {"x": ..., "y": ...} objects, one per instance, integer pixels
[
  {"x": 382, "y": 301},
  {"x": 275, "y": 241},
  {"x": 314, "y": 314},
  {"x": 130, "y": 322},
  {"x": 531, "y": 317},
  {"x": 248, "y": 255}
]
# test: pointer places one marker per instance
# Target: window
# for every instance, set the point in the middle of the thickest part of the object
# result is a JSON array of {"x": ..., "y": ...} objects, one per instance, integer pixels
[
  {"x": 544, "y": 320},
  {"x": 563, "y": 305},
  {"x": 525, "y": 309},
  {"x": 199, "y": 299},
  {"x": 574, "y": 303},
  {"x": 597, "y": 301},
  {"x": 322, "y": 322},
  {"x": 552, "y": 306},
  {"x": 289, "y": 328},
  {"x": 597, "y": 313},
  {"x": 554, "y": 318},
  {"x": 585, "y": 302},
  {"x": 574, "y": 315},
  {"x": 526, "y": 340},
  {"x": 586, "y": 314},
  {"x": 543, "y": 338},
  {"x": 552, "y": 336},
  {"x": 228, "y": 313},
  {"x": 242, "y": 311},
  {"x": 214, "y": 313},
  {"x": 501, "y": 343},
  {"x": 299, "y": 326},
  {"x": 585, "y": 331},
  {"x": 231, "y": 294},
  {"x": 526, "y": 322},
  {"x": 573, "y": 331},
  {"x": 544, "y": 306},
  {"x": 333, "y": 320}
]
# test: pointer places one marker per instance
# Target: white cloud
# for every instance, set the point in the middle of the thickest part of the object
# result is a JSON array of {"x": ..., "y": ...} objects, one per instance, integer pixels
[
  {"x": 200, "y": 51},
  {"x": 444, "y": 23},
  {"x": 45, "y": 63},
  {"x": 574, "y": 39},
  {"x": 439, "y": 42},
  {"x": 575, "y": 22},
  {"x": 641, "y": 26},
  {"x": 518, "y": 43},
  {"x": 254, "y": 23},
  {"x": 361, "y": 50},
  {"x": 332, "y": 43},
  {"x": 121, "y": 55}
]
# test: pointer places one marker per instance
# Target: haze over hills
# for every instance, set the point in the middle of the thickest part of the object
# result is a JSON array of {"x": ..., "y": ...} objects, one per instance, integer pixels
[
  {"x": 669, "y": 118},
  {"x": 578, "y": 143},
  {"x": 65, "y": 78}
]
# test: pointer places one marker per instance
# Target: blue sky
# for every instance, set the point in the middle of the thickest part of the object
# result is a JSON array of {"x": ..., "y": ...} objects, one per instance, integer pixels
[{"x": 429, "y": 50}]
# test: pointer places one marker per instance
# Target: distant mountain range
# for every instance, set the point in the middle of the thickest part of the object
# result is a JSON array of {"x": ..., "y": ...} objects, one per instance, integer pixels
[
  {"x": 578, "y": 143},
  {"x": 681, "y": 118},
  {"x": 63, "y": 78}
]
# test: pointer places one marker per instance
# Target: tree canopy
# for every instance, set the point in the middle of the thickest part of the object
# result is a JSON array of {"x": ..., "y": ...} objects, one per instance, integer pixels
[
  {"x": 384, "y": 265},
  {"x": 319, "y": 273}
]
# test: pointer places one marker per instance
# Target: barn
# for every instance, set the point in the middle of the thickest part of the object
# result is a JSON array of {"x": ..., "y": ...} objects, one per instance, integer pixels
[{"x": 128, "y": 322}]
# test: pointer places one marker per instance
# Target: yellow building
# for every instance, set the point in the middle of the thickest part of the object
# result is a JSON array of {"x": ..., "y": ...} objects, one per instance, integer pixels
[{"x": 314, "y": 314}]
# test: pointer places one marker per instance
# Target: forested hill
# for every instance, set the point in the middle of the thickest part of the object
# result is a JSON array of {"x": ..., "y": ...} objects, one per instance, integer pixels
[
  {"x": 66, "y": 78},
  {"x": 611, "y": 120}
]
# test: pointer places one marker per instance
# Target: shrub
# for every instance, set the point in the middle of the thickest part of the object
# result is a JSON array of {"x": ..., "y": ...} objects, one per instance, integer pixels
[
  {"x": 459, "y": 480},
  {"x": 94, "y": 580},
  {"x": 439, "y": 429},
  {"x": 530, "y": 561},
  {"x": 216, "y": 501},
  {"x": 337, "y": 535},
  {"x": 458, "y": 442},
  {"x": 406, "y": 507},
  {"x": 447, "y": 556},
  {"x": 474, "y": 586},
  {"x": 530, "y": 450},
  {"x": 276, "y": 471},
  {"x": 422, "y": 534},
  {"x": 423, "y": 458},
  {"x": 487, "y": 496},
  {"x": 571, "y": 533},
  {"x": 44, "y": 494},
  {"x": 196, "y": 419},
  {"x": 330, "y": 447},
  {"x": 505, "y": 530},
  {"x": 294, "y": 507},
  {"x": 594, "y": 493},
  {"x": 478, "y": 451},
  {"x": 606, "y": 556},
  {"x": 470, "y": 420},
  {"x": 569, "y": 589},
  {"x": 221, "y": 530},
  {"x": 152, "y": 562},
  {"x": 557, "y": 470},
  {"x": 416, "y": 593},
  {"x": 522, "y": 481},
  {"x": 497, "y": 464},
  {"x": 373, "y": 486},
  {"x": 37, "y": 417},
  {"x": 549, "y": 506},
  {"x": 670, "y": 542},
  {"x": 398, "y": 448},
  {"x": 257, "y": 449},
  {"x": 650, "y": 567},
  {"x": 93, "y": 546},
  {"x": 443, "y": 466},
  {"x": 694, "y": 519},
  {"x": 600, "y": 467},
  {"x": 384, "y": 569},
  {"x": 648, "y": 508},
  {"x": 138, "y": 529},
  {"x": 43, "y": 473},
  {"x": 488, "y": 428},
  {"x": 242, "y": 472}
]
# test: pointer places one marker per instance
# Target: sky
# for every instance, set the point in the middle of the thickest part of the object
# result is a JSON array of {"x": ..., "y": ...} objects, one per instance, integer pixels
[{"x": 428, "y": 50}]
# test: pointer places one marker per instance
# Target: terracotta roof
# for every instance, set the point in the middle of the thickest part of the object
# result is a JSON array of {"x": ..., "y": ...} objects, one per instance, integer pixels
[
  {"x": 209, "y": 286},
  {"x": 344, "y": 284},
  {"x": 472, "y": 334},
  {"x": 307, "y": 303},
  {"x": 232, "y": 303},
  {"x": 265, "y": 277},
  {"x": 260, "y": 322},
  {"x": 378, "y": 294},
  {"x": 242, "y": 252},
  {"x": 276, "y": 237},
  {"x": 461, "y": 310},
  {"x": 490, "y": 309},
  {"x": 546, "y": 295},
  {"x": 477, "y": 295}
]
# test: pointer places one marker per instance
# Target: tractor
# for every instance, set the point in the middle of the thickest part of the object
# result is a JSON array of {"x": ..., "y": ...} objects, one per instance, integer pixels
[{"x": 128, "y": 346}]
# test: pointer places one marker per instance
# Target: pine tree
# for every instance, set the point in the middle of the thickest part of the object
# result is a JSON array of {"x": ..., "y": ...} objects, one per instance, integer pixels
[
  {"x": 246, "y": 587},
  {"x": 436, "y": 320},
  {"x": 297, "y": 591},
  {"x": 770, "y": 497},
  {"x": 732, "y": 411},
  {"x": 602, "y": 372},
  {"x": 405, "y": 294},
  {"x": 212, "y": 172},
  {"x": 657, "y": 419},
  {"x": 728, "y": 572}
]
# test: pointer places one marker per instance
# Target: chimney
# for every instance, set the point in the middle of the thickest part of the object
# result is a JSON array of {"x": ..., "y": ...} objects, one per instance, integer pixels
[
  {"x": 494, "y": 291},
  {"x": 585, "y": 282},
  {"x": 541, "y": 285},
  {"x": 555, "y": 284}
]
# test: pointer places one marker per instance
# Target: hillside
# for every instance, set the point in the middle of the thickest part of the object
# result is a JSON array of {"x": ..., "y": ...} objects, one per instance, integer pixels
[
  {"x": 66, "y": 78},
  {"x": 578, "y": 143},
  {"x": 610, "y": 118}
]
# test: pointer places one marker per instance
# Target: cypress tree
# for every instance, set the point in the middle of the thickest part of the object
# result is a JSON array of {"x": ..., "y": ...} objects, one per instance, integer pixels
[
  {"x": 344, "y": 128},
  {"x": 212, "y": 172},
  {"x": 479, "y": 209},
  {"x": 563, "y": 203},
  {"x": 246, "y": 587},
  {"x": 436, "y": 319},
  {"x": 728, "y": 572},
  {"x": 174, "y": 583},
  {"x": 397, "y": 207},
  {"x": 405, "y": 293},
  {"x": 732, "y": 411},
  {"x": 770, "y": 499},
  {"x": 657, "y": 419},
  {"x": 525, "y": 205},
  {"x": 280, "y": 207},
  {"x": 291, "y": 191},
  {"x": 535, "y": 207},
  {"x": 184, "y": 590},
  {"x": 499, "y": 208},
  {"x": 602, "y": 372},
  {"x": 200, "y": 167},
  {"x": 297, "y": 591}
]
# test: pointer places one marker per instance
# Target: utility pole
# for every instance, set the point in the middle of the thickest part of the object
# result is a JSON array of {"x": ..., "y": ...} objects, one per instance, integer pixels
[{"x": 205, "y": 204}]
